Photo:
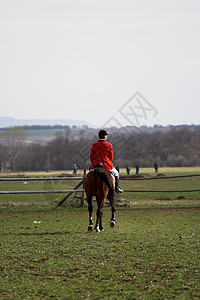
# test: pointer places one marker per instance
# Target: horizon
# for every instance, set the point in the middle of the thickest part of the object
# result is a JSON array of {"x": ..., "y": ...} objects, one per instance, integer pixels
[{"x": 80, "y": 124}]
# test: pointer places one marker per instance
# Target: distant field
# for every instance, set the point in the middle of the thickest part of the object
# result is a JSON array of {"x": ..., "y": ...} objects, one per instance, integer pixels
[
  {"x": 172, "y": 171},
  {"x": 40, "y": 135},
  {"x": 41, "y": 132},
  {"x": 166, "y": 170}
]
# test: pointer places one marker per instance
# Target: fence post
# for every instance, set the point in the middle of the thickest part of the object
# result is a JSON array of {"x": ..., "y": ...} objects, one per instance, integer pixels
[{"x": 66, "y": 197}]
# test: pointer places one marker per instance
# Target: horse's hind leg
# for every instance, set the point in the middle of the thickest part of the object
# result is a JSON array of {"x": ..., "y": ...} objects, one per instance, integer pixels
[
  {"x": 90, "y": 209},
  {"x": 112, "y": 203},
  {"x": 112, "y": 222}
]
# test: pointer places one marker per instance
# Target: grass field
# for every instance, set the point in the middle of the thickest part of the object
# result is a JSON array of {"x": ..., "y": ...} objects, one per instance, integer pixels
[
  {"x": 139, "y": 200},
  {"x": 40, "y": 132},
  {"x": 152, "y": 253}
]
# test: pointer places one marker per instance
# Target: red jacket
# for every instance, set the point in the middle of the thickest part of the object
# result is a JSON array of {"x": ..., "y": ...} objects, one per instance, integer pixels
[{"x": 102, "y": 152}]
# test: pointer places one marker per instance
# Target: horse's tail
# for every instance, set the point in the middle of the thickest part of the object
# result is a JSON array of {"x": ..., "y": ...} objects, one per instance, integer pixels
[{"x": 106, "y": 177}]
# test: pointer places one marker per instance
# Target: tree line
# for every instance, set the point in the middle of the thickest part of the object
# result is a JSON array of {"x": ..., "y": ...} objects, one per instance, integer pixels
[{"x": 177, "y": 147}]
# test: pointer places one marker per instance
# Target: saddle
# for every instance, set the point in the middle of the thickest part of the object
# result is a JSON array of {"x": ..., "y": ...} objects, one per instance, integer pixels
[{"x": 103, "y": 167}]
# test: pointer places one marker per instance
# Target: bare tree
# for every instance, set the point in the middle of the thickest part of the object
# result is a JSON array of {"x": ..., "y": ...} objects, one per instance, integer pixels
[{"x": 13, "y": 144}]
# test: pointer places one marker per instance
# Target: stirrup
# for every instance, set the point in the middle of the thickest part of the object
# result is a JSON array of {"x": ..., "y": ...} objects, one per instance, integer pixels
[{"x": 118, "y": 190}]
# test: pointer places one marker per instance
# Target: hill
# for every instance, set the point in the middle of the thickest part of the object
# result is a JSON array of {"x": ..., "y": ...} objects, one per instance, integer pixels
[{"x": 8, "y": 122}]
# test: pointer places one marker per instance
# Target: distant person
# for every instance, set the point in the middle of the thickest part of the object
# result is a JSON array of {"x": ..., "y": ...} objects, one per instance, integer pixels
[
  {"x": 75, "y": 169},
  {"x": 137, "y": 170},
  {"x": 127, "y": 169},
  {"x": 156, "y": 166}
]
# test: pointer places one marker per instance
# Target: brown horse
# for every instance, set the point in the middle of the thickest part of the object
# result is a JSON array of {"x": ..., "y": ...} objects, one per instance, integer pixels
[{"x": 100, "y": 183}]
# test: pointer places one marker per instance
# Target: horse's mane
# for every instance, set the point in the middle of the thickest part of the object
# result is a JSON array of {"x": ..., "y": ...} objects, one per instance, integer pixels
[{"x": 106, "y": 177}]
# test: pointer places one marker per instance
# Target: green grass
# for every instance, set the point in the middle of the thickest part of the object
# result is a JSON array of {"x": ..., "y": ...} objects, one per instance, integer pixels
[
  {"x": 169, "y": 199},
  {"x": 35, "y": 201},
  {"x": 143, "y": 257},
  {"x": 41, "y": 132},
  {"x": 152, "y": 253},
  {"x": 164, "y": 170},
  {"x": 140, "y": 200}
]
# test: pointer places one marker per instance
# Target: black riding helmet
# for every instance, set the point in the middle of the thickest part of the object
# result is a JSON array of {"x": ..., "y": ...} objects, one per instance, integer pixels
[{"x": 102, "y": 133}]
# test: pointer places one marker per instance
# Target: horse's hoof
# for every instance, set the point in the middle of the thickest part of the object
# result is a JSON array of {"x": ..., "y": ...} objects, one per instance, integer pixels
[
  {"x": 112, "y": 224},
  {"x": 97, "y": 229},
  {"x": 90, "y": 228}
]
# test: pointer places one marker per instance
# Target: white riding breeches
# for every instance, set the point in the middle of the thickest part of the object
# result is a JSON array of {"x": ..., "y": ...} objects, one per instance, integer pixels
[{"x": 114, "y": 172}]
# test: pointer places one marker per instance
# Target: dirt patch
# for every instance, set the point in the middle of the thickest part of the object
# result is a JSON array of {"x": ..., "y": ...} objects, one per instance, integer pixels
[
  {"x": 66, "y": 175},
  {"x": 181, "y": 198},
  {"x": 160, "y": 175},
  {"x": 135, "y": 176}
]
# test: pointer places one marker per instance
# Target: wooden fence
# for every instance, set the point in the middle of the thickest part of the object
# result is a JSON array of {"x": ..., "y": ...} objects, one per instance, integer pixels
[
  {"x": 68, "y": 192},
  {"x": 77, "y": 189}
]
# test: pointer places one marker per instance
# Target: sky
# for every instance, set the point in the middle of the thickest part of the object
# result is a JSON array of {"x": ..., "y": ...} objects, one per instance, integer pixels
[{"x": 106, "y": 62}]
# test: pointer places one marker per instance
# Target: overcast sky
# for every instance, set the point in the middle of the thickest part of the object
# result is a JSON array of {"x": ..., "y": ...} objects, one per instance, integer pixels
[{"x": 87, "y": 59}]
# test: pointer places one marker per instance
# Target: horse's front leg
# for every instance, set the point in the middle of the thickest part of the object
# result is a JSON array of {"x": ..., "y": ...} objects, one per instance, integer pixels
[
  {"x": 97, "y": 219},
  {"x": 101, "y": 220},
  {"x": 99, "y": 225},
  {"x": 90, "y": 209},
  {"x": 101, "y": 215}
]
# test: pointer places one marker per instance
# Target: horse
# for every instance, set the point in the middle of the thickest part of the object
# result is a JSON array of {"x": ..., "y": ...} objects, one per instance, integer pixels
[{"x": 100, "y": 183}]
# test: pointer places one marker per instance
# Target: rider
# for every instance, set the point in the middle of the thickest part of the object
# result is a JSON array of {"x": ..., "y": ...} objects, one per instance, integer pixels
[{"x": 102, "y": 154}]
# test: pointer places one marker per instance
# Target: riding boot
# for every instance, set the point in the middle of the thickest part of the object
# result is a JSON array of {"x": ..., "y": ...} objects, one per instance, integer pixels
[{"x": 117, "y": 188}]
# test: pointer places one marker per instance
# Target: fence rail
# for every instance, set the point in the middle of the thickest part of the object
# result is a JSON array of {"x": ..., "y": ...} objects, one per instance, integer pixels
[
  {"x": 68, "y": 192},
  {"x": 81, "y": 177},
  {"x": 159, "y": 177},
  {"x": 40, "y": 192},
  {"x": 76, "y": 190},
  {"x": 160, "y": 191},
  {"x": 40, "y": 178}
]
